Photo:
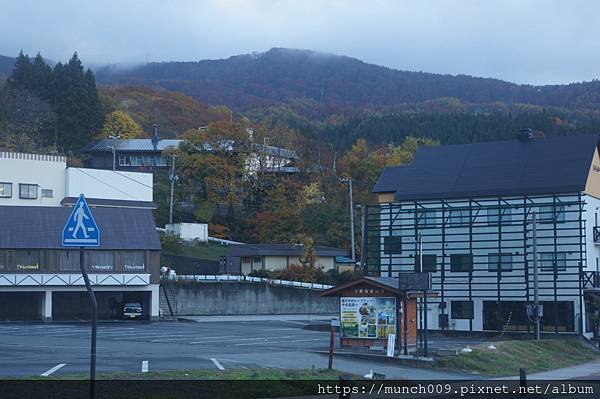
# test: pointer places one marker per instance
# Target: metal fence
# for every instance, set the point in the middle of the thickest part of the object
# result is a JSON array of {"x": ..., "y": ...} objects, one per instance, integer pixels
[{"x": 246, "y": 279}]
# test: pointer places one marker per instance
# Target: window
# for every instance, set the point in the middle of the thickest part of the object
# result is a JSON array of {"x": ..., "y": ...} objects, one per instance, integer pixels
[
  {"x": 246, "y": 259},
  {"x": 136, "y": 160},
  {"x": 495, "y": 216},
  {"x": 3, "y": 260},
  {"x": 461, "y": 263},
  {"x": 101, "y": 261},
  {"x": 28, "y": 191},
  {"x": 134, "y": 261},
  {"x": 552, "y": 214},
  {"x": 257, "y": 260},
  {"x": 547, "y": 260},
  {"x": 124, "y": 160},
  {"x": 5, "y": 190},
  {"x": 505, "y": 261},
  {"x": 47, "y": 193},
  {"x": 27, "y": 260},
  {"x": 459, "y": 217},
  {"x": 160, "y": 161},
  {"x": 429, "y": 263},
  {"x": 69, "y": 261},
  {"x": 461, "y": 309},
  {"x": 425, "y": 218},
  {"x": 392, "y": 245}
]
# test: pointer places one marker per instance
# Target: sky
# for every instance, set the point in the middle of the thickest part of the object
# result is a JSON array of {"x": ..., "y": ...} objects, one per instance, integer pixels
[{"x": 523, "y": 41}]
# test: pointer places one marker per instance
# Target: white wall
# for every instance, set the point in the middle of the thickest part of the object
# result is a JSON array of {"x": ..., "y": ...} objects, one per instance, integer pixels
[
  {"x": 45, "y": 171},
  {"x": 189, "y": 231},
  {"x": 106, "y": 184}
]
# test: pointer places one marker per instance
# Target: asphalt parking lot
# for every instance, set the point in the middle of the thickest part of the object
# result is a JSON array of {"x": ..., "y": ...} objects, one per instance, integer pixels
[{"x": 55, "y": 349}]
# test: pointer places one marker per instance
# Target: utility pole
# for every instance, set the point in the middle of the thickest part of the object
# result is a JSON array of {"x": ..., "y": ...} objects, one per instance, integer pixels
[
  {"x": 363, "y": 240},
  {"x": 349, "y": 181},
  {"x": 114, "y": 151},
  {"x": 536, "y": 303},
  {"x": 173, "y": 179}
]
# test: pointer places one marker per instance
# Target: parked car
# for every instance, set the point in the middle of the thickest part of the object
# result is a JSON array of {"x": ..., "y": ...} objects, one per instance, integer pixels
[{"x": 132, "y": 310}]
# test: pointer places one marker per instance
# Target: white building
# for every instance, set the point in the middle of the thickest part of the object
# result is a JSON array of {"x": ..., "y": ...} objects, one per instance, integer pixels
[
  {"x": 472, "y": 205},
  {"x": 39, "y": 279},
  {"x": 45, "y": 180}
]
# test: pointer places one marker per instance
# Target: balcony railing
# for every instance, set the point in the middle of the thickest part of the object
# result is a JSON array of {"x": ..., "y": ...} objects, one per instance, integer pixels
[{"x": 591, "y": 280}]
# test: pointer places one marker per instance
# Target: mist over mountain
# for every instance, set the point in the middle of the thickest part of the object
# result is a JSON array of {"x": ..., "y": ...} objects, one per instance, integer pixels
[{"x": 308, "y": 80}]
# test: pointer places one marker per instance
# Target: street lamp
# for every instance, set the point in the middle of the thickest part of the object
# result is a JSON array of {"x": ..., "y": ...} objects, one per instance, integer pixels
[
  {"x": 349, "y": 181},
  {"x": 114, "y": 152}
]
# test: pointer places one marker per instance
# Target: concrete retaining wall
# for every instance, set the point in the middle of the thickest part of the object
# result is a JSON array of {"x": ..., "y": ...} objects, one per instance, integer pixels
[{"x": 239, "y": 298}]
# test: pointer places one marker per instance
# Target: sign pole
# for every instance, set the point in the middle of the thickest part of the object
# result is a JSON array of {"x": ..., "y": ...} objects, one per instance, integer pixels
[
  {"x": 94, "y": 309},
  {"x": 331, "y": 346}
]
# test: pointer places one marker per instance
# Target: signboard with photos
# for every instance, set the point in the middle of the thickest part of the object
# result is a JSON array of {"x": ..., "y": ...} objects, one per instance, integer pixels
[{"x": 367, "y": 317}]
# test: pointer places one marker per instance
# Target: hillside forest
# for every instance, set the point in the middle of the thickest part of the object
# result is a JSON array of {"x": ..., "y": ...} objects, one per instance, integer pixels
[{"x": 354, "y": 134}]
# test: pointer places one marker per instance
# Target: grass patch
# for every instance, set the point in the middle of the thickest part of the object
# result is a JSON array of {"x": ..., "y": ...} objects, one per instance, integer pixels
[
  {"x": 228, "y": 384},
  {"x": 202, "y": 374},
  {"x": 534, "y": 356},
  {"x": 209, "y": 251}
]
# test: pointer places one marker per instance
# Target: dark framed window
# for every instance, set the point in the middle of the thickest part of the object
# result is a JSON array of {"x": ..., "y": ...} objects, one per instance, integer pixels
[
  {"x": 26, "y": 260},
  {"x": 160, "y": 161},
  {"x": 134, "y": 261},
  {"x": 429, "y": 263},
  {"x": 124, "y": 160},
  {"x": 459, "y": 217},
  {"x": 257, "y": 260},
  {"x": 392, "y": 245},
  {"x": 505, "y": 261},
  {"x": 69, "y": 261},
  {"x": 101, "y": 261},
  {"x": 3, "y": 260},
  {"x": 461, "y": 263},
  {"x": 548, "y": 259},
  {"x": 461, "y": 309},
  {"x": 425, "y": 218},
  {"x": 28, "y": 191},
  {"x": 496, "y": 216},
  {"x": 5, "y": 190},
  {"x": 552, "y": 214},
  {"x": 47, "y": 193}
]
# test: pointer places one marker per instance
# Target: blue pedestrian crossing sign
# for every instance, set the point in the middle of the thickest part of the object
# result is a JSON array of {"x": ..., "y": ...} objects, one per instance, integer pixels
[{"x": 81, "y": 229}]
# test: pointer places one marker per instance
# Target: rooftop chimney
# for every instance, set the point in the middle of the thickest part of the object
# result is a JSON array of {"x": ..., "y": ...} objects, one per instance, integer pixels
[{"x": 155, "y": 136}]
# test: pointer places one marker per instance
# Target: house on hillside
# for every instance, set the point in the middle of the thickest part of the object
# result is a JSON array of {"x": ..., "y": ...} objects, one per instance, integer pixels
[
  {"x": 148, "y": 155},
  {"x": 472, "y": 206},
  {"x": 246, "y": 258}
]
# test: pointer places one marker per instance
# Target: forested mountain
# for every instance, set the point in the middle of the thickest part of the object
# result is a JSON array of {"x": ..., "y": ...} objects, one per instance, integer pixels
[{"x": 317, "y": 84}]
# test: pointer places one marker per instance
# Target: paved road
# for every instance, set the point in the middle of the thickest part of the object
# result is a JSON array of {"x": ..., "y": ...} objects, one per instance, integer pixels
[{"x": 34, "y": 349}]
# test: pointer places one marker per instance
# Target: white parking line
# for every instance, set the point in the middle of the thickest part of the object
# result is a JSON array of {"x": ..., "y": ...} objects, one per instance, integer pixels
[
  {"x": 53, "y": 369},
  {"x": 144, "y": 366},
  {"x": 295, "y": 322},
  {"x": 216, "y": 362},
  {"x": 169, "y": 339}
]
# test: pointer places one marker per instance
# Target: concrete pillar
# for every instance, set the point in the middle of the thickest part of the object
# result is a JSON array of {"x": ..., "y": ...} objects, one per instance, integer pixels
[
  {"x": 154, "y": 301},
  {"x": 47, "y": 307}
]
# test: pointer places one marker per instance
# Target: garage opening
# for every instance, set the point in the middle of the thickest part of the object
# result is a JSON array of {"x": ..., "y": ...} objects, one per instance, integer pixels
[
  {"x": 76, "y": 305},
  {"x": 21, "y": 306}
]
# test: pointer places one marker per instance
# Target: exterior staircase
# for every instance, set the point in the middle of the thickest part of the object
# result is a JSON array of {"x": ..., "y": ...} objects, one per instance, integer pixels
[{"x": 167, "y": 300}]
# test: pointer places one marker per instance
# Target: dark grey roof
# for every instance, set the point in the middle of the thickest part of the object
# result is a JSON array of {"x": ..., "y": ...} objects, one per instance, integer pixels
[
  {"x": 275, "y": 151},
  {"x": 515, "y": 167},
  {"x": 70, "y": 201},
  {"x": 40, "y": 227},
  {"x": 132, "y": 145},
  {"x": 279, "y": 250}
]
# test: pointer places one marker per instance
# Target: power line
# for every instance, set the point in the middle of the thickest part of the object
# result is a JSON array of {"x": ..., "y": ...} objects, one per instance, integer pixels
[{"x": 105, "y": 183}]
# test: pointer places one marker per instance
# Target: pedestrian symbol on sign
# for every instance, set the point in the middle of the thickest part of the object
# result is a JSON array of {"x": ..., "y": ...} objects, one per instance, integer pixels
[{"x": 81, "y": 229}]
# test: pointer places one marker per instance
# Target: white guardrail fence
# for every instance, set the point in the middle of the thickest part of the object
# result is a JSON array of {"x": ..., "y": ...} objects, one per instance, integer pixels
[{"x": 247, "y": 279}]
